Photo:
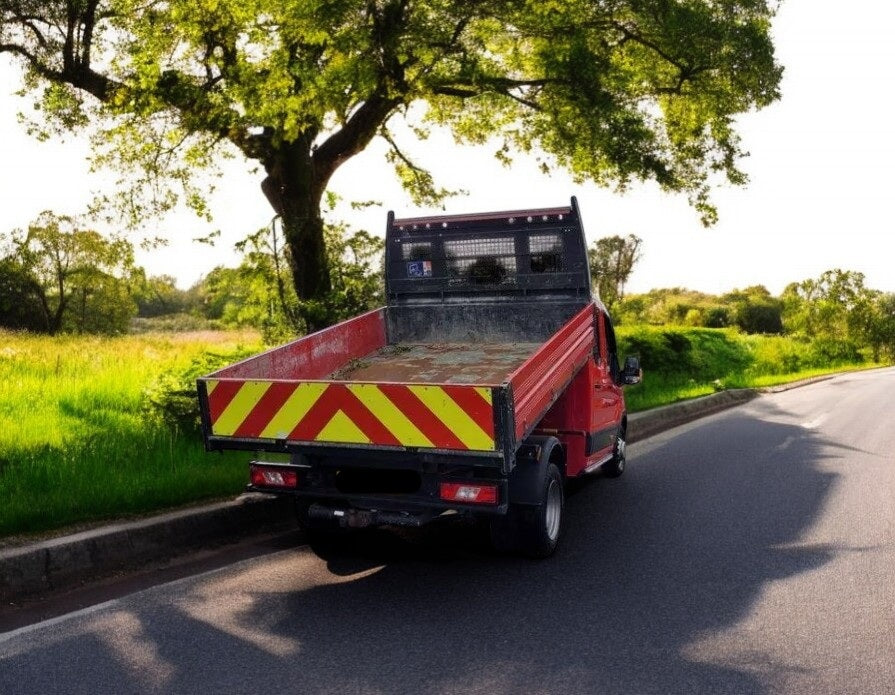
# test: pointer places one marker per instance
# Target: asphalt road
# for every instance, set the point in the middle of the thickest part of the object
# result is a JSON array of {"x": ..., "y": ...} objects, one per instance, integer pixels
[{"x": 749, "y": 552}]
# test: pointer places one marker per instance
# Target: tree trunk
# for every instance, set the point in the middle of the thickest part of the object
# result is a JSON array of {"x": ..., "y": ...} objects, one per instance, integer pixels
[{"x": 295, "y": 190}]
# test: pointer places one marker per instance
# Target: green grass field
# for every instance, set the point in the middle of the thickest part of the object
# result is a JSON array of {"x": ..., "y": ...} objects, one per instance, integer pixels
[{"x": 77, "y": 445}]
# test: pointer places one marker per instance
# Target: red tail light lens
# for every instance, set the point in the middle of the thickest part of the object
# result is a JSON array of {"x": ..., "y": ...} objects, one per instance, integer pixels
[
  {"x": 273, "y": 476},
  {"x": 468, "y": 493}
]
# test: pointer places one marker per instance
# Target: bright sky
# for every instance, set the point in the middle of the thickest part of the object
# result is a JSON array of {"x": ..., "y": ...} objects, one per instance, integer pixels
[{"x": 820, "y": 168}]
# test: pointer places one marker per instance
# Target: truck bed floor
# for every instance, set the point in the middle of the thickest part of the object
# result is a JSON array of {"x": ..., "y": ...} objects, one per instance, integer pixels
[{"x": 439, "y": 363}]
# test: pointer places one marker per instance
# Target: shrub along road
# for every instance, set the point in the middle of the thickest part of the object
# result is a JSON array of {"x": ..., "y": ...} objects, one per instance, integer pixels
[{"x": 751, "y": 551}]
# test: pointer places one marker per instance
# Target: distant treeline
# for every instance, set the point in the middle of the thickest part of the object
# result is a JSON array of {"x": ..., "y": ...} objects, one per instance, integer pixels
[{"x": 835, "y": 308}]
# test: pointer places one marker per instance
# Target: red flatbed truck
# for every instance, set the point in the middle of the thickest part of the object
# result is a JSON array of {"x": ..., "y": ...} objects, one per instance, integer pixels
[{"x": 488, "y": 380}]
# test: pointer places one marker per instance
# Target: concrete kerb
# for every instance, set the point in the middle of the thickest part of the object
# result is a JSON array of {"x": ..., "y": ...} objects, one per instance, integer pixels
[
  {"x": 67, "y": 561},
  {"x": 649, "y": 422}
]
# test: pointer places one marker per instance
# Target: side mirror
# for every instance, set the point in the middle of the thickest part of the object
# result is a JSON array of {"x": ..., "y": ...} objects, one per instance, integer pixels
[{"x": 632, "y": 373}]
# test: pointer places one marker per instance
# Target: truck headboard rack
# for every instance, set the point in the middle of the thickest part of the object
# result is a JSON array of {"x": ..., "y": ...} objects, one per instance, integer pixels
[{"x": 460, "y": 277}]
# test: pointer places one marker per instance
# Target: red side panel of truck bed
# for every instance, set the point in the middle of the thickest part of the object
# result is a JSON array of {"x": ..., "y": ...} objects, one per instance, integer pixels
[
  {"x": 316, "y": 355},
  {"x": 541, "y": 380}
]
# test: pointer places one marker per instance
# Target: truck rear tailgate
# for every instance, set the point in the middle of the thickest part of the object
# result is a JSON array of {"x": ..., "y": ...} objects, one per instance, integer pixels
[{"x": 249, "y": 413}]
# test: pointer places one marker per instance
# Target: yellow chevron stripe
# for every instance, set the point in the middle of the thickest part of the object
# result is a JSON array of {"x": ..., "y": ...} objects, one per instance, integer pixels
[
  {"x": 484, "y": 393},
  {"x": 293, "y": 410},
  {"x": 453, "y": 416},
  {"x": 340, "y": 428},
  {"x": 239, "y": 408},
  {"x": 210, "y": 386},
  {"x": 388, "y": 414}
]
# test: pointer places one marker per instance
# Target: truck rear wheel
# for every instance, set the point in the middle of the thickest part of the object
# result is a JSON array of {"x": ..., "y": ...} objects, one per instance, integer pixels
[
  {"x": 533, "y": 530},
  {"x": 616, "y": 465}
]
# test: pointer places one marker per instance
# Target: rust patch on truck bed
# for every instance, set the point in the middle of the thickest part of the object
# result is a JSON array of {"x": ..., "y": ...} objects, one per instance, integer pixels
[{"x": 439, "y": 363}]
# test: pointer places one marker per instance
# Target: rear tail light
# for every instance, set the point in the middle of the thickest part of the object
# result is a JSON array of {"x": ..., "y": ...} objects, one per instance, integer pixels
[
  {"x": 273, "y": 476},
  {"x": 468, "y": 493}
]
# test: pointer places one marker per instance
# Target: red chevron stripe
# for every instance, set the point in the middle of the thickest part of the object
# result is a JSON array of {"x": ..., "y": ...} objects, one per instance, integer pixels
[
  {"x": 367, "y": 421},
  {"x": 220, "y": 398},
  {"x": 264, "y": 411},
  {"x": 338, "y": 398},
  {"x": 473, "y": 405},
  {"x": 416, "y": 411},
  {"x": 317, "y": 417}
]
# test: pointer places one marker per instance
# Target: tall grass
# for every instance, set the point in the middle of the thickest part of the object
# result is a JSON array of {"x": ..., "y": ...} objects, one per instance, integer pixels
[{"x": 76, "y": 443}]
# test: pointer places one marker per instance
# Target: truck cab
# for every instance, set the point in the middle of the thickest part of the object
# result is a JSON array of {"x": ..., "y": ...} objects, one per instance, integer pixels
[{"x": 488, "y": 380}]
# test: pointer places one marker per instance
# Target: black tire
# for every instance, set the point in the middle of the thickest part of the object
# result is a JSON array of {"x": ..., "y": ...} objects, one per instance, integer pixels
[
  {"x": 533, "y": 531},
  {"x": 616, "y": 465}
]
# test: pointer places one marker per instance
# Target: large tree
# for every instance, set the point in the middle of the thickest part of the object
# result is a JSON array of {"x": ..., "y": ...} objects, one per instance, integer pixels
[{"x": 612, "y": 90}]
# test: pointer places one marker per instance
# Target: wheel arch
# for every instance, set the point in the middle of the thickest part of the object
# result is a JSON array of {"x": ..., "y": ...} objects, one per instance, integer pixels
[{"x": 527, "y": 478}]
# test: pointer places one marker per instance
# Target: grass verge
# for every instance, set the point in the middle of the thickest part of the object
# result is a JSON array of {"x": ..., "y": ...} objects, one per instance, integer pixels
[
  {"x": 681, "y": 363},
  {"x": 76, "y": 443}
]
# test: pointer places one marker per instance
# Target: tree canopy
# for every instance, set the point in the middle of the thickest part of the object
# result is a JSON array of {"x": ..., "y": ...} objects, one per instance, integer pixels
[
  {"x": 612, "y": 90},
  {"x": 69, "y": 278}
]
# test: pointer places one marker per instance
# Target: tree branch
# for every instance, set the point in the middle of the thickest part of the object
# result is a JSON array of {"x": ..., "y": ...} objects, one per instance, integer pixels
[
  {"x": 413, "y": 166},
  {"x": 354, "y": 136}
]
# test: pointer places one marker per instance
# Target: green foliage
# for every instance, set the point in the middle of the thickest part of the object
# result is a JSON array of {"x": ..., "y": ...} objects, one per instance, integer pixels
[
  {"x": 836, "y": 305},
  {"x": 356, "y": 268},
  {"x": 20, "y": 307},
  {"x": 681, "y": 363},
  {"x": 878, "y": 325},
  {"x": 172, "y": 397},
  {"x": 841, "y": 314},
  {"x": 159, "y": 296},
  {"x": 753, "y": 309},
  {"x": 611, "y": 261},
  {"x": 716, "y": 317},
  {"x": 260, "y": 292},
  {"x": 695, "y": 353},
  {"x": 75, "y": 279}
]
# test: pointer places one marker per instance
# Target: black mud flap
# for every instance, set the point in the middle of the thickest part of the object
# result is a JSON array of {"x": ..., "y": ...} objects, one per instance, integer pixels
[{"x": 527, "y": 478}]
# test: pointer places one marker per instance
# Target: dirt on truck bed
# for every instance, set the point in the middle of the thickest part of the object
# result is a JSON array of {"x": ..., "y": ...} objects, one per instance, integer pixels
[{"x": 439, "y": 363}]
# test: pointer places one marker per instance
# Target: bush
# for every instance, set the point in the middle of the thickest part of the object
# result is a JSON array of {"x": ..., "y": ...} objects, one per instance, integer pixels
[
  {"x": 172, "y": 398},
  {"x": 700, "y": 354},
  {"x": 760, "y": 317},
  {"x": 658, "y": 350},
  {"x": 716, "y": 317},
  {"x": 827, "y": 352}
]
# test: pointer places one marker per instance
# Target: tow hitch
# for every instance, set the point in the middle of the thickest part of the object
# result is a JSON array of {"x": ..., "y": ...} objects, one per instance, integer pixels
[{"x": 363, "y": 518}]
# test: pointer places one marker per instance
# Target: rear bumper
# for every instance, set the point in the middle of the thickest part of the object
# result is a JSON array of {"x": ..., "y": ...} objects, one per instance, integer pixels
[{"x": 363, "y": 495}]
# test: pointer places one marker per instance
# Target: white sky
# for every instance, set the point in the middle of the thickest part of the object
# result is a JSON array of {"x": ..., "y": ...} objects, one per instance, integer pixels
[{"x": 820, "y": 167}]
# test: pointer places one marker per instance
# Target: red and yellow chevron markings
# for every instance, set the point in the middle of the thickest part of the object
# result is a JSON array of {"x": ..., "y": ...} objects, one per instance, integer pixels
[{"x": 418, "y": 415}]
